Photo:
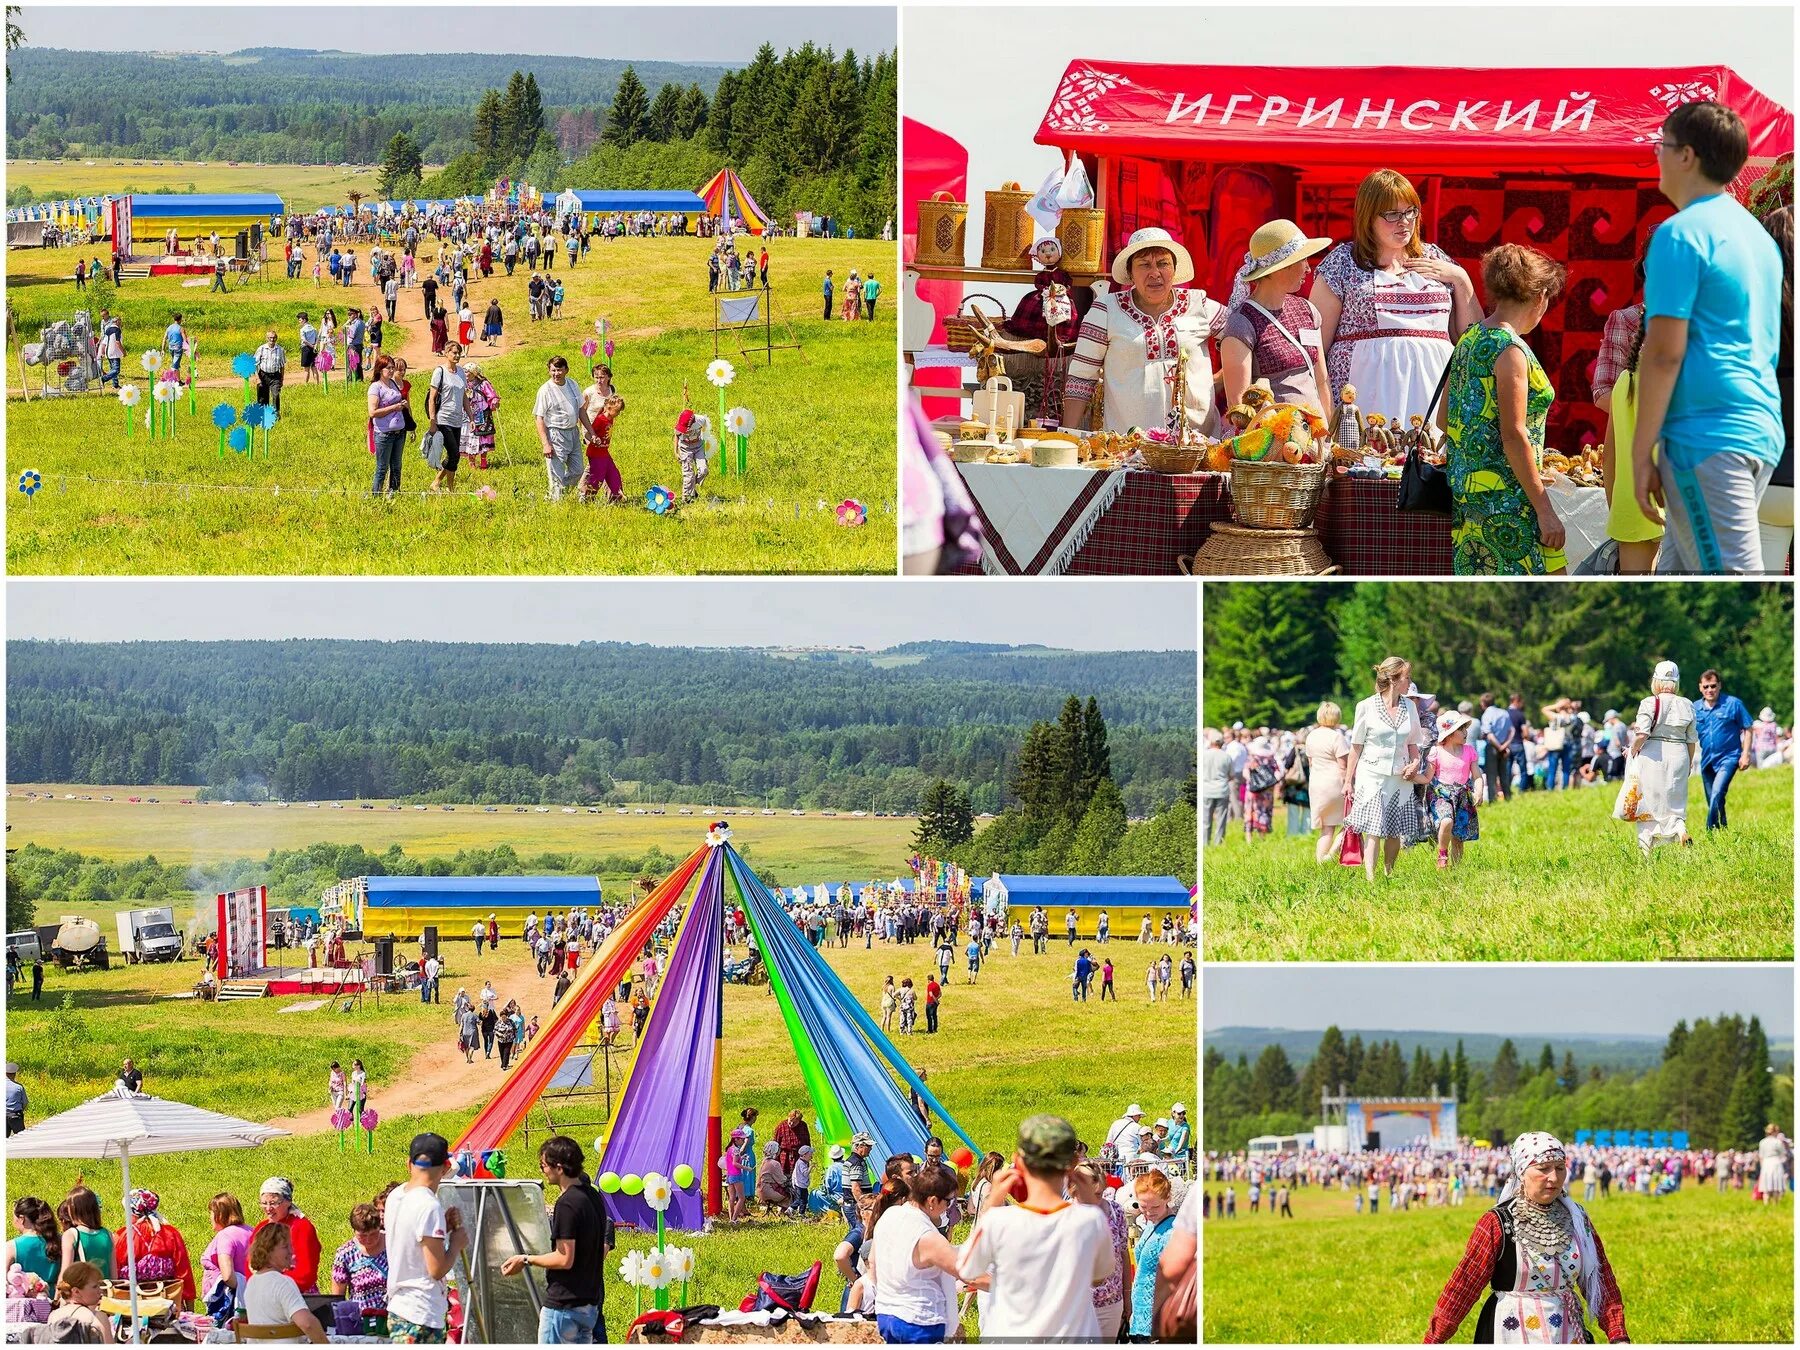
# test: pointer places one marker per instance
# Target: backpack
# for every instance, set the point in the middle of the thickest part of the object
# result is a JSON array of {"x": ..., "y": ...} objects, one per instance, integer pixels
[{"x": 792, "y": 1293}]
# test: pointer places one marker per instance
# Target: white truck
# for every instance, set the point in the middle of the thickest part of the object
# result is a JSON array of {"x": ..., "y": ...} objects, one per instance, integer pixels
[{"x": 149, "y": 935}]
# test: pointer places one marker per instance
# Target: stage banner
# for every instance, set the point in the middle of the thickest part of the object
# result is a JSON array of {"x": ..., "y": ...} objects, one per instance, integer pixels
[{"x": 243, "y": 931}]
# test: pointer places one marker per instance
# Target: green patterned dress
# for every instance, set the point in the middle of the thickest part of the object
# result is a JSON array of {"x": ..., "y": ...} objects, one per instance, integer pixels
[{"x": 1493, "y": 526}]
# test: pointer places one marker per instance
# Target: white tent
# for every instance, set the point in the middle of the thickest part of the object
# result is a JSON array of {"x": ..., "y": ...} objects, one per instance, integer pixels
[
  {"x": 120, "y": 1123},
  {"x": 568, "y": 202}
]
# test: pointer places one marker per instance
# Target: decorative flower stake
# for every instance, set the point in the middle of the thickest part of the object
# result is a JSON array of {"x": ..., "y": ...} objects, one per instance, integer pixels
[
  {"x": 659, "y": 500},
  {"x": 851, "y": 512},
  {"x": 740, "y": 422},
  {"x": 29, "y": 483},
  {"x": 369, "y": 1121}
]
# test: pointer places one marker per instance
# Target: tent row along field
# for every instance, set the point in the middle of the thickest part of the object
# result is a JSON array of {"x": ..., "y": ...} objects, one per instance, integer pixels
[
  {"x": 119, "y": 500},
  {"x": 304, "y": 187}
]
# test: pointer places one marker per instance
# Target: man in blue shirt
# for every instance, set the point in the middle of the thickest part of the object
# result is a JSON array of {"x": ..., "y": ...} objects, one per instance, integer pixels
[
  {"x": 1496, "y": 747},
  {"x": 1723, "y": 724},
  {"x": 175, "y": 342},
  {"x": 1712, "y": 333},
  {"x": 1515, "y": 748},
  {"x": 16, "y": 1100}
]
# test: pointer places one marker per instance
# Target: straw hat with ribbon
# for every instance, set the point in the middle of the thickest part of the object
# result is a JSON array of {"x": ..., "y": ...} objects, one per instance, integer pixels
[
  {"x": 1275, "y": 245},
  {"x": 1148, "y": 238}
]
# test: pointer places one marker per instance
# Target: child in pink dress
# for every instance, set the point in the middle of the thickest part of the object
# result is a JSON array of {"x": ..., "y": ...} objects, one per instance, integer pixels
[{"x": 1453, "y": 786}]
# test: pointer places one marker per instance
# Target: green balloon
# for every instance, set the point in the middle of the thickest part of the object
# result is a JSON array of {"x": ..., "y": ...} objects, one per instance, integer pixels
[
  {"x": 684, "y": 1176},
  {"x": 633, "y": 1184},
  {"x": 609, "y": 1182}
]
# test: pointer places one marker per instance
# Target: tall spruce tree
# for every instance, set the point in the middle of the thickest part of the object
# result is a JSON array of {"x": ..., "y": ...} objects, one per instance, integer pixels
[
  {"x": 628, "y": 118},
  {"x": 489, "y": 132},
  {"x": 1071, "y": 739},
  {"x": 1096, "y": 755},
  {"x": 1546, "y": 1059},
  {"x": 515, "y": 139},
  {"x": 946, "y": 820},
  {"x": 401, "y": 162},
  {"x": 1459, "y": 1072},
  {"x": 1098, "y": 836},
  {"x": 690, "y": 117},
  {"x": 1504, "y": 1076},
  {"x": 1258, "y": 643},
  {"x": 664, "y": 114}
]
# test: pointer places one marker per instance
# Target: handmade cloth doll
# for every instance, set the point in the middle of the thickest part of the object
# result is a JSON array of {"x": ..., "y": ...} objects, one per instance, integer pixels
[
  {"x": 690, "y": 449},
  {"x": 1348, "y": 429}
]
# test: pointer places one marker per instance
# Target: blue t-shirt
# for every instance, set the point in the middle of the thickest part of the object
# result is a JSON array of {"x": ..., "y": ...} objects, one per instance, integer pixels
[
  {"x": 1715, "y": 266},
  {"x": 174, "y": 339},
  {"x": 834, "y": 1182},
  {"x": 1720, "y": 729}
]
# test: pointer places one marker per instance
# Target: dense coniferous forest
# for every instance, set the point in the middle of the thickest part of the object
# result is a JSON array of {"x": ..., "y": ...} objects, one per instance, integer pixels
[
  {"x": 808, "y": 129},
  {"x": 303, "y": 720},
  {"x": 289, "y": 106},
  {"x": 1713, "y": 1080},
  {"x": 1274, "y": 650}
]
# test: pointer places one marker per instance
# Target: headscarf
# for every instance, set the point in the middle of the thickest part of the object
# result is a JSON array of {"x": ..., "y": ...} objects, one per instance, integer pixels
[
  {"x": 144, "y": 1205},
  {"x": 1544, "y": 1229}
]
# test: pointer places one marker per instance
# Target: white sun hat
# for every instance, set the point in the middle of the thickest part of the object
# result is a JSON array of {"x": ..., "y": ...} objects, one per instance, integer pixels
[{"x": 1152, "y": 236}]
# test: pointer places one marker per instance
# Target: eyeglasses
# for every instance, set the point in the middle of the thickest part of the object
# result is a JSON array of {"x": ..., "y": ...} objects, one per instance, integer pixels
[{"x": 1406, "y": 217}]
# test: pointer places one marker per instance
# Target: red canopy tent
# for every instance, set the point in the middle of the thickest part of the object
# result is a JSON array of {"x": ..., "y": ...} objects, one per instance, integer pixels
[{"x": 1559, "y": 159}]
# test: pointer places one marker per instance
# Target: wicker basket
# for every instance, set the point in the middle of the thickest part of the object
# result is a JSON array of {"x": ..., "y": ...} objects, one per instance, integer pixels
[
  {"x": 1277, "y": 496},
  {"x": 1232, "y": 550},
  {"x": 943, "y": 232},
  {"x": 1159, "y": 458},
  {"x": 1082, "y": 234},
  {"x": 1006, "y": 229},
  {"x": 961, "y": 331}
]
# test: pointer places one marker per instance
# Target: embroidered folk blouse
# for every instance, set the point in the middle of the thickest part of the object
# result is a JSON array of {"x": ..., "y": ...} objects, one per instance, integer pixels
[{"x": 1132, "y": 356}]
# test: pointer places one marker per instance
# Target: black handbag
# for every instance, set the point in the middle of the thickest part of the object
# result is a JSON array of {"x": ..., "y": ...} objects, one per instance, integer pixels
[{"x": 1423, "y": 486}]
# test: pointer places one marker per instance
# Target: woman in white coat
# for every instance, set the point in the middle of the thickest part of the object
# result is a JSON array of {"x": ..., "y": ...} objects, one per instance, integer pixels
[
  {"x": 1666, "y": 747},
  {"x": 1386, "y": 750}
]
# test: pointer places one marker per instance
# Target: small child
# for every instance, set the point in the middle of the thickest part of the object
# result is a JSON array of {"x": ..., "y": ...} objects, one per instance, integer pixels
[
  {"x": 690, "y": 451},
  {"x": 801, "y": 1181},
  {"x": 480, "y": 400},
  {"x": 531, "y": 1029},
  {"x": 601, "y": 471},
  {"x": 556, "y": 299},
  {"x": 1451, "y": 793}
]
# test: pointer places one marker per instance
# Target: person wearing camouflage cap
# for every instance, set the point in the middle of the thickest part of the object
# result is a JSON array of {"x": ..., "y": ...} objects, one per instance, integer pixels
[{"x": 1038, "y": 1256}]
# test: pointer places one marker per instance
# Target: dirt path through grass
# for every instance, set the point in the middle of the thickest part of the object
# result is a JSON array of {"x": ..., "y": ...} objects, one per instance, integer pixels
[{"x": 438, "y": 1079}]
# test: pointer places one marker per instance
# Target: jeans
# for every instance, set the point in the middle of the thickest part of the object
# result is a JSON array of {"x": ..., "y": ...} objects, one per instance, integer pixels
[
  {"x": 389, "y": 446},
  {"x": 931, "y": 1017},
  {"x": 869, "y": 309},
  {"x": 1716, "y": 780},
  {"x": 112, "y": 372},
  {"x": 1515, "y": 761},
  {"x": 827, "y": 304},
  {"x": 568, "y": 1326}
]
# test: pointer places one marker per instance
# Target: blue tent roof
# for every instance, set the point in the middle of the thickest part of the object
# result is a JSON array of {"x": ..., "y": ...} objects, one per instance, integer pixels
[
  {"x": 1067, "y": 892},
  {"x": 479, "y": 892},
  {"x": 180, "y": 204},
  {"x": 639, "y": 201}
]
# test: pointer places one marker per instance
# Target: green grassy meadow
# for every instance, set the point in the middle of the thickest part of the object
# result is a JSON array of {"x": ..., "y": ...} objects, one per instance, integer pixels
[
  {"x": 1693, "y": 1267},
  {"x": 1552, "y": 878},
  {"x": 117, "y": 503},
  {"x": 304, "y": 187},
  {"x": 1010, "y": 1046}
]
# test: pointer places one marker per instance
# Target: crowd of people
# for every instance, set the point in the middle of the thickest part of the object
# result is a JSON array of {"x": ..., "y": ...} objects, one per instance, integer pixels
[
  {"x": 1412, "y": 771},
  {"x": 1116, "y": 1253},
  {"x": 1418, "y": 1177}
]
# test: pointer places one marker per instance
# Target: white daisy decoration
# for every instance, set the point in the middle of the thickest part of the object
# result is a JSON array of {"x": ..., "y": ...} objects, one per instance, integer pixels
[
  {"x": 165, "y": 392},
  {"x": 129, "y": 395},
  {"x": 151, "y": 361},
  {"x": 631, "y": 1269},
  {"x": 656, "y": 1269},
  {"x": 740, "y": 422},
  {"x": 719, "y": 373},
  {"x": 657, "y": 1191},
  {"x": 683, "y": 1258}
]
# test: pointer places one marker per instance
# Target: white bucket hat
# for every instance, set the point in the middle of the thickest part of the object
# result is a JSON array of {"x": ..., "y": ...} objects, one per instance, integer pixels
[
  {"x": 1152, "y": 237},
  {"x": 1666, "y": 670},
  {"x": 1448, "y": 724}
]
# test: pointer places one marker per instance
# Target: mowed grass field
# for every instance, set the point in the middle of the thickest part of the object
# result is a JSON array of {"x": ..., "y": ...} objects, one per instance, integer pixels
[
  {"x": 1693, "y": 1267},
  {"x": 304, "y": 187},
  {"x": 1552, "y": 878},
  {"x": 118, "y": 503},
  {"x": 803, "y": 850},
  {"x": 1010, "y": 1046}
]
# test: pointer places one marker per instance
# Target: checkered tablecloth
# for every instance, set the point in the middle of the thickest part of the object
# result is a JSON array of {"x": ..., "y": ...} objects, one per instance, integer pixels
[{"x": 1155, "y": 519}]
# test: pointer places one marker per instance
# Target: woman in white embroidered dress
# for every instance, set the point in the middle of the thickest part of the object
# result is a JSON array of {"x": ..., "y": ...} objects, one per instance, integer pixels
[
  {"x": 1131, "y": 336},
  {"x": 1666, "y": 745},
  {"x": 1391, "y": 305},
  {"x": 1386, "y": 752}
]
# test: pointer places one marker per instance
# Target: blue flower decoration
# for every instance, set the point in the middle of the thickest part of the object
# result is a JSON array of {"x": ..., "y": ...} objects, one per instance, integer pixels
[
  {"x": 659, "y": 500},
  {"x": 223, "y": 415},
  {"x": 243, "y": 365},
  {"x": 1556, "y": 1319},
  {"x": 258, "y": 415},
  {"x": 239, "y": 439},
  {"x": 30, "y": 481},
  {"x": 1510, "y": 1323}
]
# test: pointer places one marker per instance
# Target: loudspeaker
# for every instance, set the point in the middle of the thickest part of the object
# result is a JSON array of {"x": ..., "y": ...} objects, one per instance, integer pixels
[
  {"x": 384, "y": 956},
  {"x": 1373, "y": 1141},
  {"x": 428, "y": 940},
  {"x": 256, "y": 238},
  {"x": 243, "y": 244}
]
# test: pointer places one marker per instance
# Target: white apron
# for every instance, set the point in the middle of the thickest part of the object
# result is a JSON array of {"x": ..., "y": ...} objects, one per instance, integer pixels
[
  {"x": 1544, "y": 1306},
  {"x": 1396, "y": 366},
  {"x": 1133, "y": 355}
]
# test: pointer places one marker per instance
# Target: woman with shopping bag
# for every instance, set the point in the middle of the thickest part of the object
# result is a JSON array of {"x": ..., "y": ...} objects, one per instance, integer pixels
[{"x": 1665, "y": 749}]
